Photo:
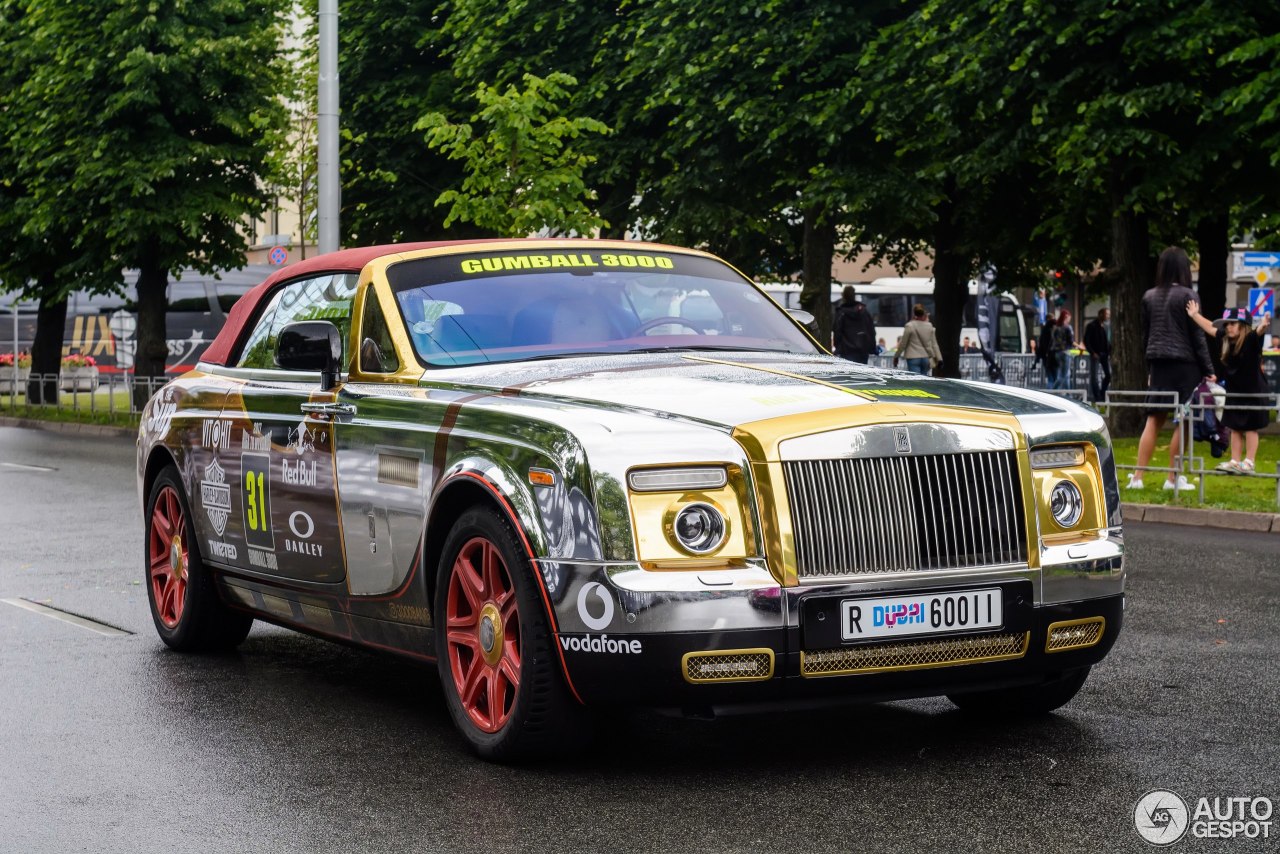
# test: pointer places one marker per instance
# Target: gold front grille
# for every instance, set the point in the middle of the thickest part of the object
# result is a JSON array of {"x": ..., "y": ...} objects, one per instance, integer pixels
[
  {"x": 914, "y": 655},
  {"x": 728, "y": 665},
  {"x": 1074, "y": 634},
  {"x": 904, "y": 514}
]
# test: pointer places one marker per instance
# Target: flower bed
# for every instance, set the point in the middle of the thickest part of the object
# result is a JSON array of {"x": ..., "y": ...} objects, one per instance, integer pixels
[
  {"x": 79, "y": 373},
  {"x": 12, "y": 369}
]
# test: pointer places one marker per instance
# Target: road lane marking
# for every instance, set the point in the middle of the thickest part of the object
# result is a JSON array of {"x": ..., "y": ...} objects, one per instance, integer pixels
[
  {"x": 28, "y": 468},
  {"x": 67, "y": 617}
]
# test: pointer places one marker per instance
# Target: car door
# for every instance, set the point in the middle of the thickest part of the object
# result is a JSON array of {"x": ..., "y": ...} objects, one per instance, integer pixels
[
  {"x": 382, "y": 463},
  {"x": 274, "y": 445}
]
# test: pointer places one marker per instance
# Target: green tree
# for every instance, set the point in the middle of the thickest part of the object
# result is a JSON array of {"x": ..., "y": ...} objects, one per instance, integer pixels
[
  {"x": 156, "y": 120},
  {"x": 1136, "y": 121},
  {"x": 497, "y": 42},
  {"x": 49, "y": 249},
  {"x": 1103, "y": 115},
  {"x": 524, "y": 171},
  {"x": 394, "y": 70},
  {"x": 762, "y": 138}
]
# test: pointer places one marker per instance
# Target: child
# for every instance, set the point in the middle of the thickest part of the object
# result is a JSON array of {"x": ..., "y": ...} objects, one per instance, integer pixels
[{"x": 1239, "y": 348}]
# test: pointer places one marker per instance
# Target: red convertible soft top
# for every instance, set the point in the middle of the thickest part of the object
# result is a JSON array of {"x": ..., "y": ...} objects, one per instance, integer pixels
[{"x": 342, "y": 261}]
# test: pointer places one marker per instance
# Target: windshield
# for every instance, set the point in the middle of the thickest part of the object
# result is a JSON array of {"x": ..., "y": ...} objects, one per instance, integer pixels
[{"x": 507, "y": 306}]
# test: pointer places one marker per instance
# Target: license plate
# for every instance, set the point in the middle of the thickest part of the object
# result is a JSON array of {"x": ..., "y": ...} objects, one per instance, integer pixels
[{"x": 921, "y": 614}]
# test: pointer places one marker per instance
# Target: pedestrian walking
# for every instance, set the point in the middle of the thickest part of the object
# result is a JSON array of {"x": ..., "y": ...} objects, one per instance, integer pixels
[
  {"x": 1177, "y": 359},
  {"x": 854, "y": 328},
  {"x": 1044, "y": 352},
  {"x": 1097, "y": 341},
  {"x": 1239, "y": 349},
  {"x": 918, "y": 344},
  {"x": 1064, "y": 341}
]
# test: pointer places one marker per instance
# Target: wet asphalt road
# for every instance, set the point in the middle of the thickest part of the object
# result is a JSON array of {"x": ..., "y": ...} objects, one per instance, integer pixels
[{"x": 297, "y": 745}]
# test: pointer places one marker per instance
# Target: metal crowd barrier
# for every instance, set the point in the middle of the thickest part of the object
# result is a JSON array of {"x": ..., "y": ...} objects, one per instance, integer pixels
[
  {"x": 107, "y": 394},
  {"x": 1185, "y": 416},
  {"x": 1020, "y": 369}
]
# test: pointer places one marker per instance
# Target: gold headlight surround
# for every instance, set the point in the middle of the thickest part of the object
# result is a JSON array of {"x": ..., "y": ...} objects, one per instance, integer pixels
[
  {"x": 653, "y": 517},
  {"x": 1087, "y": 477}
]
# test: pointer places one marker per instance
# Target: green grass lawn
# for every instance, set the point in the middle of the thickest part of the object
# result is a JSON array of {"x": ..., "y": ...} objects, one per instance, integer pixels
[
  {"x": 1228, "y": 492},
  {"x": 83, "y": 407}
]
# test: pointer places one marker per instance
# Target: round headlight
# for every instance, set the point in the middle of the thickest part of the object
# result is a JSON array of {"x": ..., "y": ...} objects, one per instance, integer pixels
[
  {"x": 699, "y": 528},
  {"x": 1066, "y": 504}
]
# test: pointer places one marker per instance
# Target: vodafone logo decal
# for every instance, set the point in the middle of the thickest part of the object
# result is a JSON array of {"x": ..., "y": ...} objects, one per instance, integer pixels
[{"x": 596, "y": 589}]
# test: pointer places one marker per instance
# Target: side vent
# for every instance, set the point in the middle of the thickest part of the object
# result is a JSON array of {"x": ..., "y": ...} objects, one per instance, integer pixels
[{"x": 396, "y": 470}]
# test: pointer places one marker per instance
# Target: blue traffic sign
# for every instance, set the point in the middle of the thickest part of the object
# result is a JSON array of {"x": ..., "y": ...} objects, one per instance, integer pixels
[
  {"x": 278, "y": 255},
  {"x": 1262, "y": 301},
  {"x": 1260, "y": 259}
]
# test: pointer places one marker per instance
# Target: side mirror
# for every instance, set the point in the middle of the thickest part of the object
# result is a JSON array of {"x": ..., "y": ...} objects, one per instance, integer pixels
[
  {"x": 801, "y": 316},
  {"x": 312, "y": 345}
]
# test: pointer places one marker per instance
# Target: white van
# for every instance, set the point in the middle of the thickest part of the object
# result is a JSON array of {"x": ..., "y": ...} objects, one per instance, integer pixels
[{"x": 890, "y": 302}]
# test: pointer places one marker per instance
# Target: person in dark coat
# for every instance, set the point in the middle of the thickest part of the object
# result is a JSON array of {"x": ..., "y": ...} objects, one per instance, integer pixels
[
  {"x": 1045, "y": 353},
  {"x": 854, "y": 330},
  {"x": 1177, "y": 358},
  {"x": 1098, "y": 343}
]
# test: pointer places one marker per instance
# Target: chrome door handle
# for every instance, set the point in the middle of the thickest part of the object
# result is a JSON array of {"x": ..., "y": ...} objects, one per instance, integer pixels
[{"x": 333, "y": 410}]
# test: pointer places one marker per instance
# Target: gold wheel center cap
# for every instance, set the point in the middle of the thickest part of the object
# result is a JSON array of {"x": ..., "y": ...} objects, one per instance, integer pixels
[
  {"x": 175, "y": 557},
  {"x": 490, "y": 633}
]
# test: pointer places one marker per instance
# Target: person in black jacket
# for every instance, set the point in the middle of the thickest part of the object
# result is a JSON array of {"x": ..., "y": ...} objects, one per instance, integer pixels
[
  {"x": 1045, "y": 353},
  {"x": 854, "y": 329},
  {"x": 1098, "y": 344},
  {"x": 1177, "y": 358}
]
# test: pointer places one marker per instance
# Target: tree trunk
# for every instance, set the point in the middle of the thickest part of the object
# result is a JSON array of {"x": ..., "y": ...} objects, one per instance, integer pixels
[
  {"x": 950, "y": 289},
  {"x": 153, "y": 348},
  {"x": 615, "y": 206},
  {"x": 46, "y": 349},
  {"x": 819, "y": 249},
  {"x": 1131, "y": 250},
  {"x": 1215, "y": 249}
]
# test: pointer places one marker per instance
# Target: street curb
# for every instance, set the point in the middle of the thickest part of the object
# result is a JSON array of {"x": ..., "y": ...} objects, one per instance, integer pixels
[
  {"x": 70, "y": 427},
  {"x": 1203, "y": 517}
]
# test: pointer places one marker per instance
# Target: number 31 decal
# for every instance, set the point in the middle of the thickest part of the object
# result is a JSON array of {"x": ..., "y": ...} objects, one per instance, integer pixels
[{"x": 257, "y": 500}]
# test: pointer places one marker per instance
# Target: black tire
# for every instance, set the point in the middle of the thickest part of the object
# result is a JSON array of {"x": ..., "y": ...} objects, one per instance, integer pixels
[
  {"x": 536, "y": 717},
  {"x": 185, "y": 607},
  {"x": 1025, "y": 700}
]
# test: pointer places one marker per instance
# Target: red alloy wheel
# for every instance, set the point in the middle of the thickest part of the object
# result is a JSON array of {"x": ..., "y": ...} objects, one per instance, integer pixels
[
  {"x": 483, "y": 634},
  {"x": 168, "y": 557}
]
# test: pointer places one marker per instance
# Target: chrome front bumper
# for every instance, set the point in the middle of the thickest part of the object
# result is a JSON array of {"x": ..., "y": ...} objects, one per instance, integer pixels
[{"x": 624, "y": 599}]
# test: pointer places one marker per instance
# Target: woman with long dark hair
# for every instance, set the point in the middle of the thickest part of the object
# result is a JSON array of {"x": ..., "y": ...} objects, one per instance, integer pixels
[{"x": 1177, "y": 359}]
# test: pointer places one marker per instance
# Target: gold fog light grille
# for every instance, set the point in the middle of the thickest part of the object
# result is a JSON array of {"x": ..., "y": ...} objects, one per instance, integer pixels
[
  {"x": 1074, "y": 634},
  {"x": 914, "y": 655},
  {"x": 728, "y": 665}
]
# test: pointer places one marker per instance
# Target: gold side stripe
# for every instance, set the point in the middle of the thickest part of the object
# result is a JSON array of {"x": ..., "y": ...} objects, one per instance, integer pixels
[
  {"x": 914, "y": 655},
  {"x": 1074, "y": 634}
]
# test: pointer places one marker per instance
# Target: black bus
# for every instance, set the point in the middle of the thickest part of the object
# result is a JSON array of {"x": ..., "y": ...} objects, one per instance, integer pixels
[{"x": 104, "y": 325}]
